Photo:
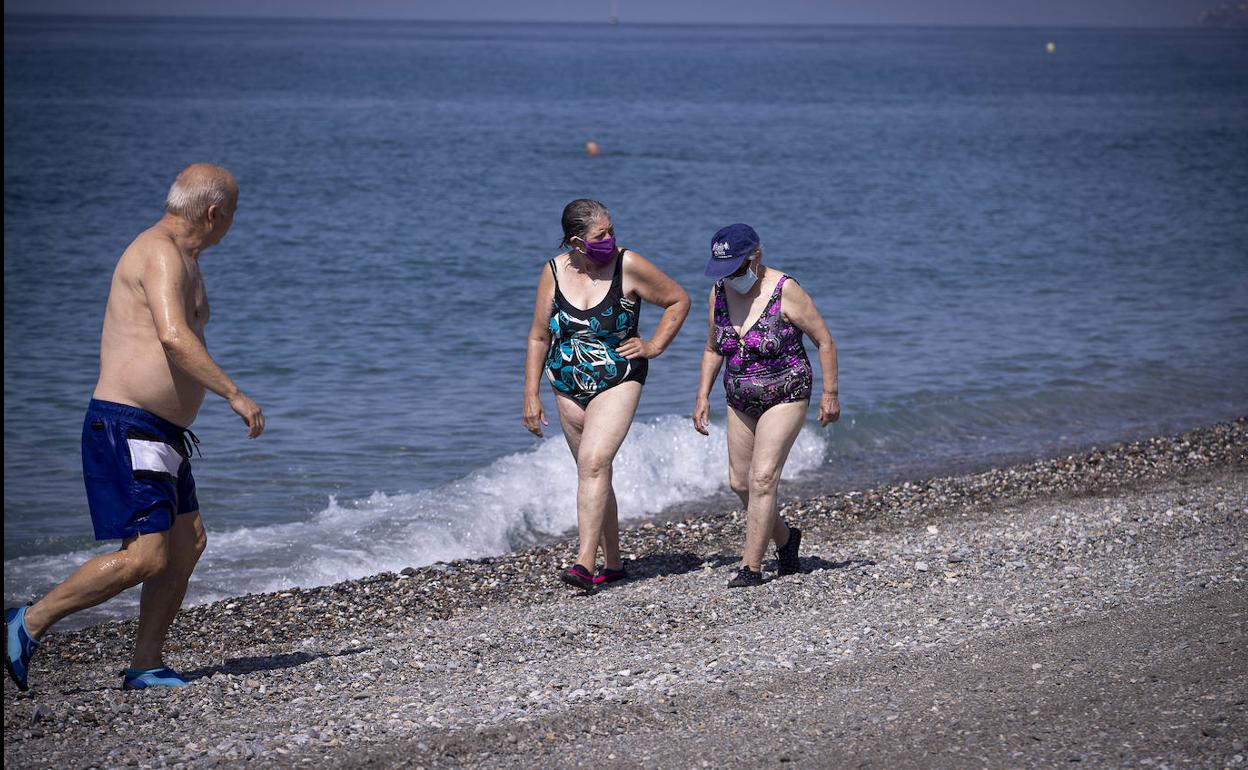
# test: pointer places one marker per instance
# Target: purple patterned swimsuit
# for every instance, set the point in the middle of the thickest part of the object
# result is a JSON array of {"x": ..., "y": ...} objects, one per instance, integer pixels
[{"x": 767, "y": 366}]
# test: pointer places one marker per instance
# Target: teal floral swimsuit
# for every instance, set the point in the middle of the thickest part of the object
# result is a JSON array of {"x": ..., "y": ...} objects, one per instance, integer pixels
[{"x": 582, "y": 361}]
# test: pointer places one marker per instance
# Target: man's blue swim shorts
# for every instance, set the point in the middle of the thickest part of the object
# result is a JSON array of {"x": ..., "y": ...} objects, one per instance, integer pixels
[{"x": 137, "y": 468}]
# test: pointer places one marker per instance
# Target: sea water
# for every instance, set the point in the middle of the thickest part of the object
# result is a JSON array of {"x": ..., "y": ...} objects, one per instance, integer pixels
[{"x": 1017, "y": 252}]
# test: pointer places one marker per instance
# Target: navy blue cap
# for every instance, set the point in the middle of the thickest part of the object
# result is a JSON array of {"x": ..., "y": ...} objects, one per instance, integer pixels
[{"x": 729, "y": 248}]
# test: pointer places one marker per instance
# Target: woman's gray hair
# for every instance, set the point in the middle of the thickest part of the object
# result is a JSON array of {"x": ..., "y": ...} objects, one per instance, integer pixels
[
  {"x": 577, "y": 217},
  {"x": 197, "y": 187}
]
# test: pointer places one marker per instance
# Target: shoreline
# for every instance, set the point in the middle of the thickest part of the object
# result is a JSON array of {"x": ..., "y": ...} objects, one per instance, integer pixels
[
  {"x": 696, "y": 513},
  {"x": 810, "y": 485},
  {"x": 480, "y": 661}
]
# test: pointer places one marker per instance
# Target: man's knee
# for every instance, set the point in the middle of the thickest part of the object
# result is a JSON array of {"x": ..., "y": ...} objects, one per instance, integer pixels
[
  {"x": 739, "y": 483},
  {"x": 189, "y": 542},
  {"x": 146, "y": 557},
  {"x": 200, "y": 543}
]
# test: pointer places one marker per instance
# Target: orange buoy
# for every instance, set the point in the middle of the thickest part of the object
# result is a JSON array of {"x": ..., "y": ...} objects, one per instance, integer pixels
[{"x": 591, "y": 149}]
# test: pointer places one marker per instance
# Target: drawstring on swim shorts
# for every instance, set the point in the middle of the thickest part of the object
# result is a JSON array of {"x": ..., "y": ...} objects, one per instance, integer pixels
[{"x": 190, "y": 442}]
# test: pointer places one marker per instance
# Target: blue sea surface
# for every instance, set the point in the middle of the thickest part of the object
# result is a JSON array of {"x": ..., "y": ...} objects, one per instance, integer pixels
[{"x": 1017, "y": 252}]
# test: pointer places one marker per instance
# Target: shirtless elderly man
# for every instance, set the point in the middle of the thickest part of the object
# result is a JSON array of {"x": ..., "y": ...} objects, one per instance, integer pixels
[{"x": 136, "y": 446}]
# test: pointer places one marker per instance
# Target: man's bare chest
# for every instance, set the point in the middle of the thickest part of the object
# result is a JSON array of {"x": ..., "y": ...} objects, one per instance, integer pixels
[{"x": 197, "y": 308}]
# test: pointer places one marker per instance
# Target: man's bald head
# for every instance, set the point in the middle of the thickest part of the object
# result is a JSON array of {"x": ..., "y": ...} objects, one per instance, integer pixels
[{"x": 199, "y": 186}]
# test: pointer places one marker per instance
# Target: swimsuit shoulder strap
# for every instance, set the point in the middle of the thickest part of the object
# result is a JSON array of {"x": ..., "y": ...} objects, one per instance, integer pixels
[
  {"x": 774, "y": 299},
  {"x": 778, "y": 298},
  {"x": 721, "y": 306},
  {"x": 617, "y": 279},
  {"x": 560, "y": 302}
]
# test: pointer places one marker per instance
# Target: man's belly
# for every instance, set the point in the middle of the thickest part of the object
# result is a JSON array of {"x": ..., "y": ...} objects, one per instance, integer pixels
[{"x": 156, "y": 386}]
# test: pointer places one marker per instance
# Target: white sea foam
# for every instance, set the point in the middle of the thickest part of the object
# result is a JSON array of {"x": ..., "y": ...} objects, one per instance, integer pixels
[{"x": 515, "y": 499}]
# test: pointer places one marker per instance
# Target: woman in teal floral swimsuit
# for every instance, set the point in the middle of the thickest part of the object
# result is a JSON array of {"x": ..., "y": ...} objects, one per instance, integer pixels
[{"x": 584, "y": 337}]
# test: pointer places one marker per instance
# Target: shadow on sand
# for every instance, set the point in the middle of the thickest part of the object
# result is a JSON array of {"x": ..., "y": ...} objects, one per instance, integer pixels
[
  {"x": 679, "y": 563},
  {"x": 249, "y": 665},
  {"x": 254, "y": 664}
]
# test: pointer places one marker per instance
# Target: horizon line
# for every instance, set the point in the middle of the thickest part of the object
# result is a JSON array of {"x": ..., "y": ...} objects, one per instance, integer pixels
[{"x": 603, "y": 22}]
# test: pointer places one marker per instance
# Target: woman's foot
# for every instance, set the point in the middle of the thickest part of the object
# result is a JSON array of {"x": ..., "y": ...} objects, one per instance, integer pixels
[
  {"x": 787, "y": 556},
  {"x": 607, "y": 575},
  {"x": 746, "y": 578},
  {"x": 578, "y": 576}
]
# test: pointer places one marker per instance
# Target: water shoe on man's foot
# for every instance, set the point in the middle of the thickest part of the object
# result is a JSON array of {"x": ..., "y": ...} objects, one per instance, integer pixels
[
  {"x": 746, "y": 578},
  {"x": 19, "y": 646},
  {"x": 142, "y": 678},
  {"x": 787, "y": 556},
  {"x": 606, "y": 576},
  {"x": 578, "y": 576}
]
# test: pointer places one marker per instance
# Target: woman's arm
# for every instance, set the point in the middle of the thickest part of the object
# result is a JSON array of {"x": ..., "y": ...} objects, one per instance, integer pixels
[
  {"x": 539, "y": 345},
  {"x": 655, "y": 287},
  {"x": 799, "y": 309},
  {"x": 711, "y": 363}
]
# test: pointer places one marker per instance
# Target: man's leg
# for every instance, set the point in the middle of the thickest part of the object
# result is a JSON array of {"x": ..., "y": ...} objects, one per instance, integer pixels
[
  {"x": 100, "y": 579},
  {"x": 164, "y": 591}
]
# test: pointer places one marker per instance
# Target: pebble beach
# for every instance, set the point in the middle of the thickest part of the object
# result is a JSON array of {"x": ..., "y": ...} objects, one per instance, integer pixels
[{"x": 1081, "y": 609}]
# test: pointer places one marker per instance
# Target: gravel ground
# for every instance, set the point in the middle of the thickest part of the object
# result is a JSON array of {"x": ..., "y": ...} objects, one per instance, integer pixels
[{"x": 1087, "y": 609}]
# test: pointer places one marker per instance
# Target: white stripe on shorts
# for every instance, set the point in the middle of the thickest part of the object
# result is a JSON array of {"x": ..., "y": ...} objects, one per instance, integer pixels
[{"x": 154, "y": 456}]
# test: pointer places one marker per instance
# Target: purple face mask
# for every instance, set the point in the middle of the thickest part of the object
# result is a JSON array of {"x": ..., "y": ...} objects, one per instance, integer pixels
[{"x": 602, "y": 251}]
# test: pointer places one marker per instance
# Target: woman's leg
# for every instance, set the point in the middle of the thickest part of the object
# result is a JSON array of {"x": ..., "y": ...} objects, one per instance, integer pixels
[
  {"x": 610, "y": 539},
  {"x": 740, "y": 450},
  {"x": 572, "y": 421},
  {"x": 604, "y": 425},
  {"x": 774, "y": 434}
]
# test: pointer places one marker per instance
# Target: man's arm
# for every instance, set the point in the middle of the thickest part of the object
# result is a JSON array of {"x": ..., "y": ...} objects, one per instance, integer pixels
[{"x": 164, "y": 283}]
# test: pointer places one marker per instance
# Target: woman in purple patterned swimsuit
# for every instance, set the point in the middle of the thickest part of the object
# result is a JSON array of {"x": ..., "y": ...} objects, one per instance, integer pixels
[{"x": 756, "y": 319}]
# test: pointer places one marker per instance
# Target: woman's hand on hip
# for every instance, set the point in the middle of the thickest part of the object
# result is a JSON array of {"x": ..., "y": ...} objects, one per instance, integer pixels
[
  {"x": 636, "y": 347},
  {"x": 701, "y": 415},
  {"x": 534, "y": 415},
  {"x": 829, "y": 409}
]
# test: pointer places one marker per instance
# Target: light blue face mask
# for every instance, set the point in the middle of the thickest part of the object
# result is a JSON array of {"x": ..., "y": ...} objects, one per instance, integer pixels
[{"x": 742, "y": 283}]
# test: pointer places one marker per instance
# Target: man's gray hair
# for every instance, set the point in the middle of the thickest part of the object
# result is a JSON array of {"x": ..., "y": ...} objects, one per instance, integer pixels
[{"x": 197, "y": 187}]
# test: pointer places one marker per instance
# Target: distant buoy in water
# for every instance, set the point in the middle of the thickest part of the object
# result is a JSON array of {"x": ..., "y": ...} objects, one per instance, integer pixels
[
  {"x": 592, "y": 150},
  {"x": 1050, "y": 47}
]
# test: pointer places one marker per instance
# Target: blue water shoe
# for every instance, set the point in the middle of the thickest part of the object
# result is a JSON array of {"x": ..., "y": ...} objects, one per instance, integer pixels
[
  {"x": 142, "y": 678},
  {"x": 19, "y": 646}
]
